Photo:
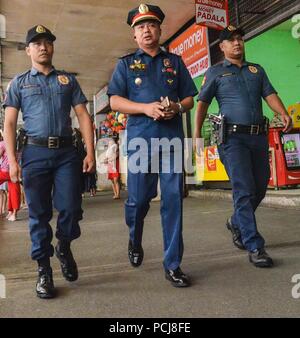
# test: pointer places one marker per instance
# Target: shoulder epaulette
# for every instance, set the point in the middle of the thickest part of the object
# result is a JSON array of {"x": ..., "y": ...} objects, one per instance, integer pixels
[
  {"x": 22, "y": 74},
  {"x": 126, "y": 55}
]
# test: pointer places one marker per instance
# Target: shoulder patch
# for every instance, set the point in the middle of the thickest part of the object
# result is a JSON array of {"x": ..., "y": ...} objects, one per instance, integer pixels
[
  {"x": 63, "y": 79},
  {"x": 253, "y": 69}
]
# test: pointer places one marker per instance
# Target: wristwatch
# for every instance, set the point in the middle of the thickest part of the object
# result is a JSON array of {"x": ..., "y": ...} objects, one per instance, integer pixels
[{"x": 180, "y": 107}]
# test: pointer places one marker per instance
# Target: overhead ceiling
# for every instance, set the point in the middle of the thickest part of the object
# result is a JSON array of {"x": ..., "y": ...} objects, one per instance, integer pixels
[{"x": 91, "y": 34}]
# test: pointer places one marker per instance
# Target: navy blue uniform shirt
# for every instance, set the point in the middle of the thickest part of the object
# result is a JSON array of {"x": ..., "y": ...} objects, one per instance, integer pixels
[
  {"x": 45, "y": 101},
  {"x": 238, "y": 91},
  {"x": 142, "y": 78}
]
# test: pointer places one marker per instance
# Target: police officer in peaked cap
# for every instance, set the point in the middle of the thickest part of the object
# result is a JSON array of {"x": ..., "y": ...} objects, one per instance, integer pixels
[
  {"x": 136, "y": 87},
  {"x": 51, "y": 165},
  {"x": 239, "y": 87}
]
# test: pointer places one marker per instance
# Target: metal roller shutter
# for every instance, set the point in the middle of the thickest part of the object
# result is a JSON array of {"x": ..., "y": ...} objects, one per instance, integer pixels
[{"x": 255, "y": 16}]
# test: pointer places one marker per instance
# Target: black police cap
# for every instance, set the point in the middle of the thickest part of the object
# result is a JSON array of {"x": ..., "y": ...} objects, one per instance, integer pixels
[
  {"x": 145, "y": 12},
  {"x": 227, "y": 32},
  {"x": 39, "y": 31}
]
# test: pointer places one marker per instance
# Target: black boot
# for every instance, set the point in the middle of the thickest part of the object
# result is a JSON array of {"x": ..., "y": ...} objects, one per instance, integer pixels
[
  {"x": 135, "y": 255},
  {"x": 177, "y": 278},
  {"x": 260, "y": 258},
  {"x": 67, "y": 263},
  {"x": 236, "y": 235},
  {"x": 44, "y": 286}
]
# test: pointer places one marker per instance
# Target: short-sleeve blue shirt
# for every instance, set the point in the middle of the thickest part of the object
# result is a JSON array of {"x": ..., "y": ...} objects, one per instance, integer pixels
[
  {"x": 142, "y": 78},
  {"x": 238, "y": 91},
  {"x": 45, "y": 101}
]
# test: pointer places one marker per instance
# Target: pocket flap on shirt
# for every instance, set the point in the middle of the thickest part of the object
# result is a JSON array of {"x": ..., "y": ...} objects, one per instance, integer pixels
[{"x": 29, "y": 91}]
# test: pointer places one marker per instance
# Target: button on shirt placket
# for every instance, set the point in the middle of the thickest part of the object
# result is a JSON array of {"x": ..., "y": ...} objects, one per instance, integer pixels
[
  {"x": 50, "y": 105},
  {"x": 250, "y": 96}
]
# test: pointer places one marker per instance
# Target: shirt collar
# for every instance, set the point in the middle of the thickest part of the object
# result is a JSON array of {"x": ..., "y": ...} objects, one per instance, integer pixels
[
  {"x": 35, "y": 72},
  {"x": 227, "y": 63},
  {"x": 141, "y": 52}
]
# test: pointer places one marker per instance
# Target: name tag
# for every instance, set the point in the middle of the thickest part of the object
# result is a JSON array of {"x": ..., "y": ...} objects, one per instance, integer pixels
[
  {"x": 30, "y": 86},
  {"x": 227, "y": 74}
]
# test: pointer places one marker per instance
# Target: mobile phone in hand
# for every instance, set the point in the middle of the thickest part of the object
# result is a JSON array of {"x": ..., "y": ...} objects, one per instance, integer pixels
[{"x": 165, "y": 102}]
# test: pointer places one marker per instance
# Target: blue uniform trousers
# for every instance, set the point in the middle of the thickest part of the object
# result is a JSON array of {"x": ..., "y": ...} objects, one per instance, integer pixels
[
  {"x": 142, "y": 187},
  {"x": 51, "y": 175},
  {"x": 246, "y": 160}
]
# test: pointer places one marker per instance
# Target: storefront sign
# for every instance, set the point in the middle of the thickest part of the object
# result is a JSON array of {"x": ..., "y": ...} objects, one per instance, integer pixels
[
  {"x": 212, "y": 13},
  {"x": 101, "y": 100},
  {"x": 192, "y": 45}
]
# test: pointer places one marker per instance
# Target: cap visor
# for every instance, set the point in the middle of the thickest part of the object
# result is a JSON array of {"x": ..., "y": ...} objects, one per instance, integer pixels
[
  {"x": 238, "y": 31},
  {"x": 144, "y": 18},
  {"x": 43, "y": 35}
]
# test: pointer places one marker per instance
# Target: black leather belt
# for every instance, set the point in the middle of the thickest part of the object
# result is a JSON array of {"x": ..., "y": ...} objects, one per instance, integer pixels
[
  {"x": 51, "y": 142},
  {"x": 254, "y": 129}
]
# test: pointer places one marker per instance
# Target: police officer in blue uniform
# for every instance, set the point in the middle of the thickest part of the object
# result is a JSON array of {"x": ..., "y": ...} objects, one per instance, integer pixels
[
  {"x": 51, "y": 165},
  {"x": 137, "y": 85},
  {"x": 238, "y": 86}
]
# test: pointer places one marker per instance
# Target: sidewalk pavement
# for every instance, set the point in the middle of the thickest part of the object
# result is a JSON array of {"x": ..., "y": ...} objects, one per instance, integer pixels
[
  {"x": 285, "y": 198},
  {"x": 225, "y": 284}
]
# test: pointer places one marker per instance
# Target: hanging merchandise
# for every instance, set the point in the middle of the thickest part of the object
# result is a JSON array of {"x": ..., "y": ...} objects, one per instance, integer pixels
[{"x": 113, "y": 124}]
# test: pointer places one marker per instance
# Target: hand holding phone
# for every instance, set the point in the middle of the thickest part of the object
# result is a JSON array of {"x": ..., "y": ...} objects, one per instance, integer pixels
[{"x": 165, "y": 102}]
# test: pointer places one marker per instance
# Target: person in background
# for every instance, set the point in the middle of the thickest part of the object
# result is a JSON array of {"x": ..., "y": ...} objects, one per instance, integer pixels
[
  {"x": 3, "y": 199},
  {"x": 14, "y": 192},
  {"x": 112, "y": 160}
]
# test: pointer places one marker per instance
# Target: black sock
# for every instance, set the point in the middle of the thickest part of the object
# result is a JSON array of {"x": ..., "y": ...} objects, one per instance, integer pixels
[{"x": 44, "y": 262}]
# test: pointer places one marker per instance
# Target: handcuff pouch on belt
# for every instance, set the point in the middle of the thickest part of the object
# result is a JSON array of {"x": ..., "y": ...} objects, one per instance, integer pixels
[
  {"x": 78, "y": 143},
  {"x": 21, "y": 139},
  {"x": 266, "y": 125},
  {"x": 218, "y": 128}
]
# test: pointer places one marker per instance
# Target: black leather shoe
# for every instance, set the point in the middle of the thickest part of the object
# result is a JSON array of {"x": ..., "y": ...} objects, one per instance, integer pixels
[
  {"x": 44, "y": 286},
  {"x": 67, "y": 264},
  {"x": 135, "y": 255},
  {"x": 177, "y": 278},
  {"x": 236, "y": 235},
  {"x": 260, "y": 258}
]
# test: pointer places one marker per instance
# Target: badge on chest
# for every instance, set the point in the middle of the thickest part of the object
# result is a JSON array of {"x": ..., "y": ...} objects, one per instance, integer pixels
[
  {"x": 138, "y": 68},
  {"x": 63, "y": 79},
  {"x": 169, "y": 71}
]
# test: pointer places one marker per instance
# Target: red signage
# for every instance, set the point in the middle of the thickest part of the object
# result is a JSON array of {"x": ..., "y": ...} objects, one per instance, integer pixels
[
  {"x": 192, "y": 45},
  {"x": 212, "y": 13},
  {"x": 211, "y": 159}
]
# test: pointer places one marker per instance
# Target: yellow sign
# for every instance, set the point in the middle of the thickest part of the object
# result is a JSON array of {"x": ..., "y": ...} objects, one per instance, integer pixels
[
  {"x": 294, "y": 112},
  {"x": 209, "y": 166}
]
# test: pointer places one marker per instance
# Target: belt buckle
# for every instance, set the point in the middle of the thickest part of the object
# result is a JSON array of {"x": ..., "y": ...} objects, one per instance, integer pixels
[
  {"x": 53, "y": 142},
  {"x": 254, "y": 129}
]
